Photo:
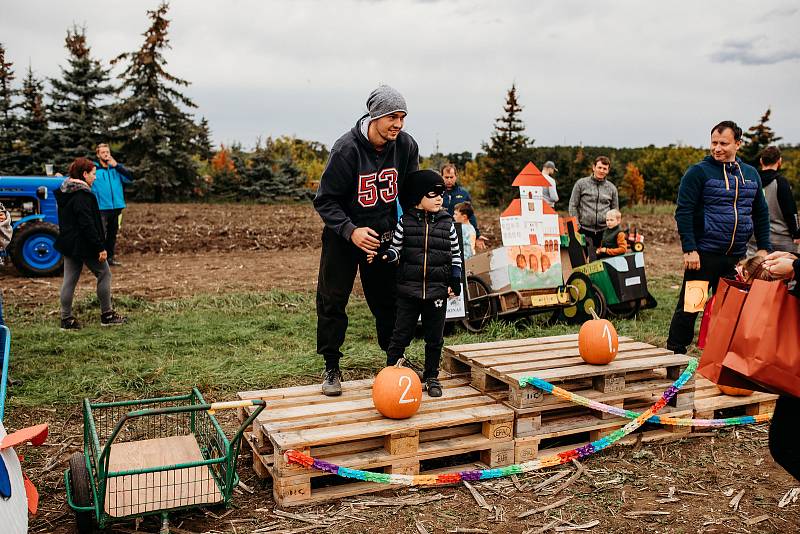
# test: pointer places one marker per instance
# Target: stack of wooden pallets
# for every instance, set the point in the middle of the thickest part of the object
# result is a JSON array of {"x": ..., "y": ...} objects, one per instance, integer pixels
[
  {"x": 710, "y": 402},
  {"x": 634, "y": 380},
  {"x": 461, "y": 426}
]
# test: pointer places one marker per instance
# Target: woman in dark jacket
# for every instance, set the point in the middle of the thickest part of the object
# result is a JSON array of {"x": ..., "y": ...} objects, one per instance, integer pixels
[
  {"x": 784, "y": 433},
  {"x": 81, "y": 241}
]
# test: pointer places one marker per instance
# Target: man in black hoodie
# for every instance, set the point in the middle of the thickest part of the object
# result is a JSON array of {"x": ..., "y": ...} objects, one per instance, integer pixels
[
  {"x": 784, "y": 233},
  {"x": 357, "y": 201}
]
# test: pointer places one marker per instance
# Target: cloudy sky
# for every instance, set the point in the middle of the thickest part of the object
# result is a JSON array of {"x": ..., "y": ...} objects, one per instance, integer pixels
[{"x": 623, "y": 73}]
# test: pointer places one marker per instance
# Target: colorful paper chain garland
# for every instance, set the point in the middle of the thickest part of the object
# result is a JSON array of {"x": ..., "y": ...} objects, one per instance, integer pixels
[
  {"x": 547, "y": 387},
  {"x": 583, "y": 451}
]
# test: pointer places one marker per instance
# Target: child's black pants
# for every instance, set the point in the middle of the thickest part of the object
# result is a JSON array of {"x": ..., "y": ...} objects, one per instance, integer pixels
[
  {"x": 784, "y": 435},
  {"x": 338, "y": 264},
  {"x": 433, "y": 313}
]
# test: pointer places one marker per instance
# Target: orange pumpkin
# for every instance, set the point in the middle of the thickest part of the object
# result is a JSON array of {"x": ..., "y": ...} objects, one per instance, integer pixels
[
  {"x": 598, "y": 341},
  {"x": 397, "y": 391},
  {"x": 735, "y": 392}
]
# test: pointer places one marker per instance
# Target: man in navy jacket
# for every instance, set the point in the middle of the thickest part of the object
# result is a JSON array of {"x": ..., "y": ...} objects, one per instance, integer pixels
[
  {"x": 357, "y": 201},
  {"x": 110, "y": 197},
  {"x": 720, "y": 205}
]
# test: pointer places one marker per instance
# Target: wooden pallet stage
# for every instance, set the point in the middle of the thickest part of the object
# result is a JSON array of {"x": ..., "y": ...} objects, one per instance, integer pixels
[
  {"x": 709, "y": 402},
  {"x": 349, "y": 432}
]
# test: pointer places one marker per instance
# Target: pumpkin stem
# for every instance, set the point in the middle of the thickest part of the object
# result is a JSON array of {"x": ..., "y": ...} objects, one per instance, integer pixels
[
  {"x": 400, "y": 363},
  {"x": 591, "y": 310}
]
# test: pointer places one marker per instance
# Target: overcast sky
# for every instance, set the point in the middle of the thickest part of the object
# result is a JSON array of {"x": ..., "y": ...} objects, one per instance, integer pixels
[{"x": 625, "y": 73}]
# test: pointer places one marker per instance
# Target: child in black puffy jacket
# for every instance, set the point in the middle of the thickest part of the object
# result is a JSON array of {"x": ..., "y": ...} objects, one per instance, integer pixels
[{"x": 426, "y": 249}]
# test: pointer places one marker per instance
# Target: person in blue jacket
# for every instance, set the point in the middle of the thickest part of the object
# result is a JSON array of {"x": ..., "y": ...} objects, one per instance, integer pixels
[
  {"x": 455, "y": 194},
  {"x": 110, "y": 196},
  {"x": 720, "y": 205}
]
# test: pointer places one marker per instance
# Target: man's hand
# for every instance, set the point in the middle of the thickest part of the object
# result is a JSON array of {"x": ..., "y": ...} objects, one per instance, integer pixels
[
  {"x": 780, "y": 266},
  {"x": 691, "y": 261},
  {"x": 481, "y": 243},
  {"x": 103, "y": 256},
  {"x": 365, "y": 238},
  {"x": 111, "y": 162}
]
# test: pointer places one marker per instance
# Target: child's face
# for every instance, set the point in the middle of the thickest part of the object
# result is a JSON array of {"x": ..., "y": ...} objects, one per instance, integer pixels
[
  {"x": 431, "y": 204},
  {"x": 612, "y": 221},
  {"x": 460, "y": 217}
]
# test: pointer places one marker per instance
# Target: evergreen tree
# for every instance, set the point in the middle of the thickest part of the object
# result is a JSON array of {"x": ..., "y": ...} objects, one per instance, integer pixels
[
  {"x": 77, "y": 111},
  {"x": 159, "y": 138},
  {"x": 9, "y": 129},
  {"x": 756, "y": 139},
  {"x": 505, "y": 152},
  {"x": 203, "y": 140},
  {"x": 35, "y": 137}
]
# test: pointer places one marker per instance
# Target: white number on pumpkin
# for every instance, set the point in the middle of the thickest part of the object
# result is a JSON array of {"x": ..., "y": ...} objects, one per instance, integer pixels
[
  {"x": 403, "y": 399},
  {"x": 606, "y": 334}
]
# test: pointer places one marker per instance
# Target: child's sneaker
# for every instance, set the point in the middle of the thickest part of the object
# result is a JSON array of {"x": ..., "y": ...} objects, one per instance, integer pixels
[
  {"x": 434, "y": 387},
  {"x": 112, "y": 319},
  {"x": 70, "y": 323}
]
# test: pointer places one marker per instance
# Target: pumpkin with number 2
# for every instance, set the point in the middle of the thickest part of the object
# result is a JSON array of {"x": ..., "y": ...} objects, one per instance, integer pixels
[
  {"x": 397, "y": 391},
  {"x": 597, "y": 341}
]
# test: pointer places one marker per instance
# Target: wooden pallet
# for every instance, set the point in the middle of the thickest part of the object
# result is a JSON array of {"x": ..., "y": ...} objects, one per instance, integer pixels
[
  {"x": 349, "y": 432},
  {"x": 709, "y": 401},
  {"x": 638, "y": 369}
]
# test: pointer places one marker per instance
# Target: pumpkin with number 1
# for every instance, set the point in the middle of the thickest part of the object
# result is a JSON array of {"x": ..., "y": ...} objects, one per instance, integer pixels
[
  {"x": 397, "y": 391},
  {"x": 597, "y": 341}
]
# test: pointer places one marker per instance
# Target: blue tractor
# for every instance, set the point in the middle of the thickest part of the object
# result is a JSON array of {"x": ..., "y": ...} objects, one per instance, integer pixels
[{"x": 34, "y": 215}]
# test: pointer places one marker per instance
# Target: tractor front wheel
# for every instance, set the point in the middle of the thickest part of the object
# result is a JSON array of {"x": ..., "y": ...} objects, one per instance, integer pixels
[{"x": 32, "y": 249}]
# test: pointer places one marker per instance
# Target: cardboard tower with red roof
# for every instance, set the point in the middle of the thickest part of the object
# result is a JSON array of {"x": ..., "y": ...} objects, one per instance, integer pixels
[{"x": 529, "y": 220}]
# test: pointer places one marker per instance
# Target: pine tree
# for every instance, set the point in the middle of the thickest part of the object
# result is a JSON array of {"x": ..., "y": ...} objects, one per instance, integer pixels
[
  {"x": 35, "y": 137},
  {"x": 756, "y": 139},
  {"x": 159, "y": 138},
  {"x": 9, "y": 128},
  {"x": 203, "y": 143},
  {"x": 77, "y": 111},
  {"x": 505, "y": 152}
]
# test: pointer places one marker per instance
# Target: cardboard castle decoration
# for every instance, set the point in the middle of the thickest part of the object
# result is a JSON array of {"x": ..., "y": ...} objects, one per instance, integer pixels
[{"x": 530, "y": 257}]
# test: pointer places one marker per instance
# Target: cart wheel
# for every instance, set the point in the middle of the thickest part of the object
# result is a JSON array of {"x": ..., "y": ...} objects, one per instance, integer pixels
[
  {"x": 481, "y": 312},
  {"x": 81, "y": 492},
  {"x": 638, "y": 247},
  {"x": 579, "y": 312},
  {"x": 626, "y": 310},
  {"x": 596, "y": 301}
]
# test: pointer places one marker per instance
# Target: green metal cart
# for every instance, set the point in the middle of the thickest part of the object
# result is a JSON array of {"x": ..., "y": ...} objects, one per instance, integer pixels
[{"x": 152, "y": 457}]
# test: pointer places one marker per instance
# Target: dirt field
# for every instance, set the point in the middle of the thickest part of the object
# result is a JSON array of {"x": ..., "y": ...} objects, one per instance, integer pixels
[{"x": 176, "y": 250}]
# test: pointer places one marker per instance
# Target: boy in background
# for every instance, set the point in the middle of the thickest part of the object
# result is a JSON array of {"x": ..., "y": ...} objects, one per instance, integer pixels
[
  {"x": 463, "y": 213},
  {"x": 425, "y": 248},
  {"x": 614, "y": 241},
  {"x": 5, "y": 239}
]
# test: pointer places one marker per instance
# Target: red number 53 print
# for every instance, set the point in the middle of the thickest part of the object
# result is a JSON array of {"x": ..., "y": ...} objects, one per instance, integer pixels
[{"x": 375, "y": 185}]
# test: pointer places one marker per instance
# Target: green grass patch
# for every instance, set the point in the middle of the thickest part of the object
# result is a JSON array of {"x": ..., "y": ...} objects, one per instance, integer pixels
[{"x": 224, "y": 344}]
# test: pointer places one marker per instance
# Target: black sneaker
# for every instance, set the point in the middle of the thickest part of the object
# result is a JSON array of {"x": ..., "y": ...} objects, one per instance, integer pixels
[
  {"x": 70, "y": 323},
  {"x": 114, "y": 263},
  {"x": 332, "y": 384},
  {"x": 112, "y": 319},
  {"x": 434, "y": 387}
]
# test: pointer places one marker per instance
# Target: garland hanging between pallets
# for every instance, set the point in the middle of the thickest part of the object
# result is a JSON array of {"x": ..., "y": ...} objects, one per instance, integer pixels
[
  {"x": 581, "y": 452},
  {"x": 547, "y": 387}
]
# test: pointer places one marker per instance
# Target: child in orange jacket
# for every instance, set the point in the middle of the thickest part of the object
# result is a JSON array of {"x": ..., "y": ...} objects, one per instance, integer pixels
[{"x": 614, "y": 241}]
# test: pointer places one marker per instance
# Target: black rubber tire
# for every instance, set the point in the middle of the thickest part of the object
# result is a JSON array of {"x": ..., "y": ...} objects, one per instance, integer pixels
[
  {"x": 600, "y": 302},
  {"x": 626, "y": 310},
  {"x": 81, "y": 492},
  {"x": 16, "y": 249},
  {"x": 479, "y": 315}
]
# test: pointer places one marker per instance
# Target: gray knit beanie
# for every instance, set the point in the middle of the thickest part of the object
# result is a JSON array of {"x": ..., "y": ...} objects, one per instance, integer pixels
[{"x": 385, "y": 100}]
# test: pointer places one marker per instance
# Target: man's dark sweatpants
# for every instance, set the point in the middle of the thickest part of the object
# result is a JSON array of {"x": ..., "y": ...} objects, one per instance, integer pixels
[
  {"x": 110, "y": 220},
  {"x": 784, "y": 435},
  {"x": 712, "y": 268},
  {"x": 433, "y": 317},
  {"x": 595, "y": 237},
  {"x": 338, "y": 264}
]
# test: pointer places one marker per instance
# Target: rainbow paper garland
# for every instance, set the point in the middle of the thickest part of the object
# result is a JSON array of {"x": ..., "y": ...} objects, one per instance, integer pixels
[
  {"x": 547, "y": 387},
  {"x": 577, "y": 453}
]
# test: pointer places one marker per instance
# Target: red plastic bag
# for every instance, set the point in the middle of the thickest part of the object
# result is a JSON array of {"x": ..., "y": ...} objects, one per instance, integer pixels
[{"x": 704, "y": 323}]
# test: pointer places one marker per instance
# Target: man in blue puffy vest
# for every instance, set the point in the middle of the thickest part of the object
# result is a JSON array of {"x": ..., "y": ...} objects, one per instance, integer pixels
[
  {"x": 720, "y": 205},
  {"x": 107, "y": 187}
]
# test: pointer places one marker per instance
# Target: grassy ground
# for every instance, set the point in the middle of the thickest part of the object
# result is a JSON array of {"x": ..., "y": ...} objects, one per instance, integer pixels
[{"x": 224, "y": 344}]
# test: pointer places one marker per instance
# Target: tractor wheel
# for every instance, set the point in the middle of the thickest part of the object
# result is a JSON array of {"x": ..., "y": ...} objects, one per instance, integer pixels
[
  {"x": 638, "y": 247},
  {"x": 589, "y": 298},
  {"x": 81, "y": 492},
  {"x": 32, "y": 249},
  {"x": 481, "y": 312},
  {"x": 626, "y": 310}
]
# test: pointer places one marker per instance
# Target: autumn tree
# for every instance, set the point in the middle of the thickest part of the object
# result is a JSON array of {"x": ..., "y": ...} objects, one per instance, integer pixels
[
  {"x": 158, "y": 136},
  {"x": 756, "y": 139},
  {"x": 78, "y": 112},
  {"x": 633, "y": 184},
  {"x": 9, "y": 131},
  {"x": 505, "y": 151}
]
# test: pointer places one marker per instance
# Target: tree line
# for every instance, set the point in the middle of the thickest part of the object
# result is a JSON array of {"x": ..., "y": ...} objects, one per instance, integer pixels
[{"x": 150, "y": 125}]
